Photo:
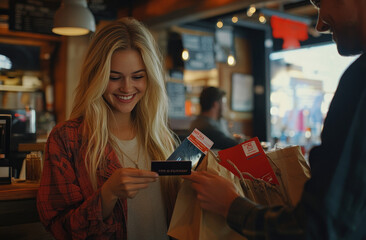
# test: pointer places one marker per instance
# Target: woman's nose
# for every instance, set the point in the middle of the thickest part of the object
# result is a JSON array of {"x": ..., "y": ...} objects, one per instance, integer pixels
[{"x": 125, "y": 84}]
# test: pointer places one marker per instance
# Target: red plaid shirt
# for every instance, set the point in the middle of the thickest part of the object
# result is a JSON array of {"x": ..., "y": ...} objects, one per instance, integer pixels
[{"x": 67, "y": 204}]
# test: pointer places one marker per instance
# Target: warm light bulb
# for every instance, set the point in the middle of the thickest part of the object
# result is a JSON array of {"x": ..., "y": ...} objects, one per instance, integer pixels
[
  {"x": 262, "y": 19},
  {"x": 234, "y": 19},
  {"x": 219, "y": 24},
  {"x": 231, "y": 60},
  {"x": 251, "y": 11},
  {"x": 185, "y": 55}
]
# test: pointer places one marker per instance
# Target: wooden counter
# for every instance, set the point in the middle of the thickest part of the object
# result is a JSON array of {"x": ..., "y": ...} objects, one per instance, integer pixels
[
  {"x": 18, "y": 203},
  {"x": 18, "y": 200},
  {"x": 18, "y": 191}
]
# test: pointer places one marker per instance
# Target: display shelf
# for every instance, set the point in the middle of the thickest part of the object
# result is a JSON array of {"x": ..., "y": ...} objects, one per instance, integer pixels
[{"x": 18, "y": 88}]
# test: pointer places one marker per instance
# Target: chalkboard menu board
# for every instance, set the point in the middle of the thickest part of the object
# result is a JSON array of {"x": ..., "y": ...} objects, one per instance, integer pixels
[
  {"x": 36, "y": 16},
  {"x": 176, "y": 93},
  {"x": 224, "y": 43},
  {"x": 104, "y": 9},
  {"x": 201, "y": 52},
  {"x": 32, "y": 15}
]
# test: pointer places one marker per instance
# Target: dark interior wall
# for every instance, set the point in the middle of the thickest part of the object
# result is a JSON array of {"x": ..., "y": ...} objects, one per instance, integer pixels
[{"x": 260, "y": 71}]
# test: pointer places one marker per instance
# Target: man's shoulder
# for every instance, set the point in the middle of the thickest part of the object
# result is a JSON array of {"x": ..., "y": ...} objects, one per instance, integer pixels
[
  {"x": 359, "y": 64},
  {"x": 201, "y": 122}
]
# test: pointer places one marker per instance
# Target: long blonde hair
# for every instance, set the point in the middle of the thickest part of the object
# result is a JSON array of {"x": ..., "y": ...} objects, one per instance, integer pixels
[{"x": 150, "y": 114}]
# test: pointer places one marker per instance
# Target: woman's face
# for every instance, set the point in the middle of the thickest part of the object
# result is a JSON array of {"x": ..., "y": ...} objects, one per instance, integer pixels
[{"x": 127, "y": 82}]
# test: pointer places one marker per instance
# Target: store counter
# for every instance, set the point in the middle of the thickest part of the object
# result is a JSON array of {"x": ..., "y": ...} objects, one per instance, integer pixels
[
  {"x": 18, "y": 203},
  {"x": 18, "y": 212}
]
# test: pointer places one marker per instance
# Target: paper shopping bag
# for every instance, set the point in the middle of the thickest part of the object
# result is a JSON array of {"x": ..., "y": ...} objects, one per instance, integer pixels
[
  {"x": 291, "y": 169},
  {"x": 264, "y": 193},
  {"x": 190, "y": 222}
]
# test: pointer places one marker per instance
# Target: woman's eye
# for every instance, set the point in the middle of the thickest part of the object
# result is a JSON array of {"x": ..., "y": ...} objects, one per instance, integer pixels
[
  {"x": 138, "y": 77},
  {"x": 113, "y": 78}
]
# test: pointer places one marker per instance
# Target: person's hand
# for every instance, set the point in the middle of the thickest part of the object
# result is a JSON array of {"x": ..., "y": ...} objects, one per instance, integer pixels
[
  {"x": 214, "y": 192},
  {"x": 127, "y": 182},
  {"x": 124, "y": 183},
  {"x": 239, "y": 137}
]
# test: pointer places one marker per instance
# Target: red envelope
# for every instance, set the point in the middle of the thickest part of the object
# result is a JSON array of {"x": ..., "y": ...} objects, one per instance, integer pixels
[{"x": 248, "y": 157}]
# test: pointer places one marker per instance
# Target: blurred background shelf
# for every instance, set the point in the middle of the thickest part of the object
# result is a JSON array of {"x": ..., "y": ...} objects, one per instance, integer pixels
[{"x": 17, "y": 88}]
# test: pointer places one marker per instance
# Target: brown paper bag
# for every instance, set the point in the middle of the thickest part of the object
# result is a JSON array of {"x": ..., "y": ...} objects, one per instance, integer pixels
[
  {"x": 190, "y": 222},
  {"x": 291, "y": 170},
  {"x": 264, "y": 193}
]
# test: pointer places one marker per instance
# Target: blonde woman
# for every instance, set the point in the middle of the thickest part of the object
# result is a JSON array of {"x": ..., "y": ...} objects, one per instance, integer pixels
[{"x": 96, "y": 181}]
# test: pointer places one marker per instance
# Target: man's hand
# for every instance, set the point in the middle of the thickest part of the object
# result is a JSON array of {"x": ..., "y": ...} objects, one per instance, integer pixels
[{"x": 214, "y": 192}]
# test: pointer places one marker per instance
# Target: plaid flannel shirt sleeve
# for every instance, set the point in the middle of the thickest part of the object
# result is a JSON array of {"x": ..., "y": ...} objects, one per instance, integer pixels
[
  {"x": 61, "y": 205},
  {"x": 259, "y": 222}
]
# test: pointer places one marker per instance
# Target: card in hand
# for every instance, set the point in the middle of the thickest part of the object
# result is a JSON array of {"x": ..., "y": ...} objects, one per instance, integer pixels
[{"x": 165, "y": 168}]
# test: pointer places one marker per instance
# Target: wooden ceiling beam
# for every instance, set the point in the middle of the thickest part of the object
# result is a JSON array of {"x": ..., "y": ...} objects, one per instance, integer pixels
[{"x": 163, "y": 14}]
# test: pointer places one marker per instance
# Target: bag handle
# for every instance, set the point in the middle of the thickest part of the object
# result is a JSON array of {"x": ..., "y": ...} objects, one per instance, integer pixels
[
  {"x": 279, "y": 173},
  {"x": 246, "y": 188}
]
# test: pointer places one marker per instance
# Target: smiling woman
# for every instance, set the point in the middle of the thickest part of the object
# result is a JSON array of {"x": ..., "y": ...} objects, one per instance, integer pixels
[
  {"x": 97, "y": 166},
  {"x": 126, "y": 86}
]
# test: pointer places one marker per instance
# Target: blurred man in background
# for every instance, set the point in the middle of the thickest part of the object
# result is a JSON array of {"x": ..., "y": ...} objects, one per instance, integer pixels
[{"x": 210, "y": 121}]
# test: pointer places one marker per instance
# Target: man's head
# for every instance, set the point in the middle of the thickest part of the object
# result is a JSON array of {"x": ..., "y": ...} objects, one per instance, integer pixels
[
  {"x": 346, "y": 21},
  {"x": 211, "y": 98}
]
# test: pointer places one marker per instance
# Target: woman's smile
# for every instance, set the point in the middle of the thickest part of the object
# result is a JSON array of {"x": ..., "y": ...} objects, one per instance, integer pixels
[{"x": 125, "y": 98}]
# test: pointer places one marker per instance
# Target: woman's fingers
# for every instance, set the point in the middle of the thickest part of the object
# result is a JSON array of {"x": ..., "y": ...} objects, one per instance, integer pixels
[
  {"x": 138, "y": 173},
  {"x": 126, "y": 182}
]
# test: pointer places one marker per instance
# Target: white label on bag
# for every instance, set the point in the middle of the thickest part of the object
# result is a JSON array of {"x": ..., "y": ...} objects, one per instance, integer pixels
[{"x": 250, "y": 148}]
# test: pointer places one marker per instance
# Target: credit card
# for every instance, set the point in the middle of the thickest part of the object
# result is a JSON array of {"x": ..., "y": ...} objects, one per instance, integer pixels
[
  {"x": 170, "y": 167},
  {"x": 193, "y": 148}
]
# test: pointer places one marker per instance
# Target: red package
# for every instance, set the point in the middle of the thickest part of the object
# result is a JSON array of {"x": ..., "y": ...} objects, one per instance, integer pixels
[{"x": 248, "y": 157}]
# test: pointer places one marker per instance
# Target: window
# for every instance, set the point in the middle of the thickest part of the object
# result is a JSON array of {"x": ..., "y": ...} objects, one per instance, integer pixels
[{"x": 303, "y": 82}]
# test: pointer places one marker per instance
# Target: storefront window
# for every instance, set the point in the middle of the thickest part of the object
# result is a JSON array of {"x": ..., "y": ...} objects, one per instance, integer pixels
[{"x": 303, "y": 82}]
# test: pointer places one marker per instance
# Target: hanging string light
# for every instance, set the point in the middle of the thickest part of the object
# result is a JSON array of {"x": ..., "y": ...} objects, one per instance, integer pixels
[
  {"x": 251, "y": 10},
  {"x": 262, "y": 19},
  {"x": 185, "y": 54},
  {"x": 219, "y": 24},
  {"x": 234, "y": 19},
  {"x": 231, "y": 60}
]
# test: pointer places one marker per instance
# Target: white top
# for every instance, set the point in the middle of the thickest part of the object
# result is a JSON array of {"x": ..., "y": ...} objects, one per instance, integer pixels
[{"x": 146, "y": 212}]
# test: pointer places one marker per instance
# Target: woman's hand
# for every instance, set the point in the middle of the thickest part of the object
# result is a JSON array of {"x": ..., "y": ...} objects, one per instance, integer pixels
[
  {"x": 124, "y": 183},
  {"x": 214, "y": 192}
]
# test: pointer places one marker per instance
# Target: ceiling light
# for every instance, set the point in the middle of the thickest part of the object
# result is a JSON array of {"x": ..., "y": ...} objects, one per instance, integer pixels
[
  {"x": 185, "y": 54},
  {"x": 262, "y": 19},
  {"x": 251, "y": 10},
  {"x": 219, "y": 24},
  {"x": 231, "y": 60},
  {"x": 73, "y": 18}
]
